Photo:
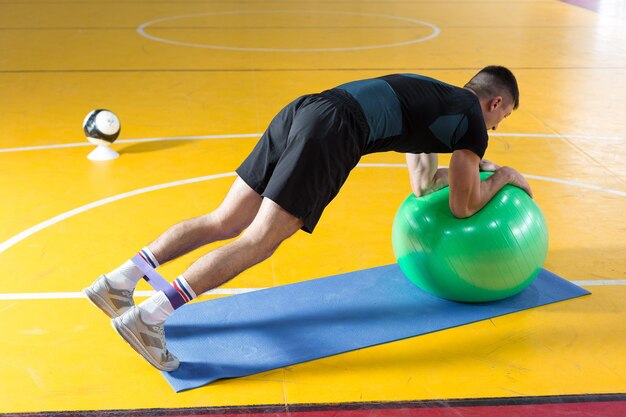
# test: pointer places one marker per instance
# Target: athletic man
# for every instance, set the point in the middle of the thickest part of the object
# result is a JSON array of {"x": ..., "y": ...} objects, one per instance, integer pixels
[{"x": 297, "y": 168}]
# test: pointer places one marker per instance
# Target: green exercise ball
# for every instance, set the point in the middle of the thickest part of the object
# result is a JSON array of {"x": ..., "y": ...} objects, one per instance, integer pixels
[{"x": 494, "y": 254}]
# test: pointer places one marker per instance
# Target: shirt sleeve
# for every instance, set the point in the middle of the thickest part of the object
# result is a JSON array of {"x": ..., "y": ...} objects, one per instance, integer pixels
[{"x": 475, "y": 137}]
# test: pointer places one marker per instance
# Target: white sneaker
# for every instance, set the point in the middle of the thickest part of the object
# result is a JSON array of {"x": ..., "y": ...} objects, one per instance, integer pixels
[
  {"x": 113, "y": 302},
  {"x": 147, "y": 339}
]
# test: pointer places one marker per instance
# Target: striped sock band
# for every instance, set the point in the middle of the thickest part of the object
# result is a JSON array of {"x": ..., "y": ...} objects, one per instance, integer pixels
[
  {"x": 148, "y": 256},
  {"x": 181, "y": 285},
  {"x": 126, "y": 276}
]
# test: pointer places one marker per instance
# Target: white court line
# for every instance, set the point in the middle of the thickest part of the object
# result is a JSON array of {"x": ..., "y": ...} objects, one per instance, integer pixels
[
  {"x": 75, "y": 295},
  {"x": 536, "y": 177},
  {"x": 143, "y": 140},
  {"x": 577, "y": 184},
  {"x": 256, "y": 135},
  {"x": 601, "y": 282},
  {"x": 219, "y": 291},
  {"x": 556, "y": 136}
]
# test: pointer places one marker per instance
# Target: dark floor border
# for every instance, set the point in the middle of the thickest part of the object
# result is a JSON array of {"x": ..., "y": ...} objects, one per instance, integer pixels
[{"x": 356, "y": 406}]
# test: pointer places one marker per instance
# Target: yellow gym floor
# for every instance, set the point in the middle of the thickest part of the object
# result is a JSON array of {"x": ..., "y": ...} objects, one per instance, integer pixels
[{"x": 194, "y": 84}]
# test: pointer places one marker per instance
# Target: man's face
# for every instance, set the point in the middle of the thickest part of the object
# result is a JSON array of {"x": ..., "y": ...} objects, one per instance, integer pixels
[{"x": 497, "y": 110}]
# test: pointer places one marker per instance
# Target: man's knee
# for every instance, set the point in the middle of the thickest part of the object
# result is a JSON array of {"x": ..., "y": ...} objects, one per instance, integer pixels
[
  {"x": 258, "y": 246},
  {"x": 228, "y": 225},
  {"x": 237, "y": 211},
  {"x": 272, "y": 226}
]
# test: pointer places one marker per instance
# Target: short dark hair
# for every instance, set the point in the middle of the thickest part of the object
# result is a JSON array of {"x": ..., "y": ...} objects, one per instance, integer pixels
[{"x": 495, "y": 80}]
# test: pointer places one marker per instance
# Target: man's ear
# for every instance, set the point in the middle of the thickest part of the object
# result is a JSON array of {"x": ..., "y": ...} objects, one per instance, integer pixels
[{"x": 495, "y": 102}]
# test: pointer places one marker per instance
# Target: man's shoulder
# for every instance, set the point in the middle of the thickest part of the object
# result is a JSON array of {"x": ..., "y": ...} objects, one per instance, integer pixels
[{"x": 411, "y": 78}]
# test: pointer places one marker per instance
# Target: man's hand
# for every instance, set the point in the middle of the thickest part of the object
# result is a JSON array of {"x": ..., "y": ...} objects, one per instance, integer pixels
[
  {"x": 515, "y": 178},
  {"x": 439, "y": 181},
  {"x": 488, "y": 166}
]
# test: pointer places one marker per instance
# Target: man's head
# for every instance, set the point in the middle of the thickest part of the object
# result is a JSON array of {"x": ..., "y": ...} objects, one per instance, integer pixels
[{"x": 496, "y": 88}]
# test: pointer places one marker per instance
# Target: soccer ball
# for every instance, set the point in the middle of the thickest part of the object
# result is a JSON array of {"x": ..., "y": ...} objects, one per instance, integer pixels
[{"x": 101, "y": 127}]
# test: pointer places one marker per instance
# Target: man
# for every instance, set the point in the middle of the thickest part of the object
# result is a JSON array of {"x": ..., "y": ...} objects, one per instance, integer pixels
[{"x": 297, "y": 168}]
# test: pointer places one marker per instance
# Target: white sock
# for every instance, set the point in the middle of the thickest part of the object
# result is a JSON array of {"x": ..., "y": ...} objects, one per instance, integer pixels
[
  {"x": 184, "y": 289},
  {"x": 128, "y": 275},
  {"x": 156, "y": 309}
]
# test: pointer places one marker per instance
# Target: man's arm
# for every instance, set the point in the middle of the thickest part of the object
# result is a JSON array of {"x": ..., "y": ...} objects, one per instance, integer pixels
[
  {"x": 467, "y": 193},
  {"x": 423, "y": 173}
]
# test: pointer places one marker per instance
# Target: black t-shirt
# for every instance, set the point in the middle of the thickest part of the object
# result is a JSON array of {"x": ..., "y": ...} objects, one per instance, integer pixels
[{"x": 416, "y": 114}]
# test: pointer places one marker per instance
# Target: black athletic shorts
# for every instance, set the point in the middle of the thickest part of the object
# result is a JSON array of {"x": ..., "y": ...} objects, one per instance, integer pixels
[{"x": 306, "y": 154}]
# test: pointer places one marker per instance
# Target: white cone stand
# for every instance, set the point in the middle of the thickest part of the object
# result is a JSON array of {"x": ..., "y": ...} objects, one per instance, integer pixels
[{"x": 103, "y": 151}]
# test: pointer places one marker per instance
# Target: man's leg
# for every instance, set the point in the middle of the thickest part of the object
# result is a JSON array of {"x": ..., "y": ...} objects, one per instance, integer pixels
[
  {"x": 142, "y": 326},
  {"x": 270, "y": 228},
  {"x": 112, "y": 292},
  {"x": 239, "y": 208}
]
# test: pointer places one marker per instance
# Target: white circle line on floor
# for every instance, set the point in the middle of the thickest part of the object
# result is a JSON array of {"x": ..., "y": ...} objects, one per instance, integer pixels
[
  {"x": 64, "y": 216},
  {"x": 141, "y": 30}
]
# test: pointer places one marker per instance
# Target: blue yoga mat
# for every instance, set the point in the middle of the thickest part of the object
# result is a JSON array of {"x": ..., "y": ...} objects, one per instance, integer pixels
[{"x": 269, "y": 329}]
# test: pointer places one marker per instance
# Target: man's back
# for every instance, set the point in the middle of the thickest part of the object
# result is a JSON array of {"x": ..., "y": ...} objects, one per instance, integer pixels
[{"x": 416, "y": 114}]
